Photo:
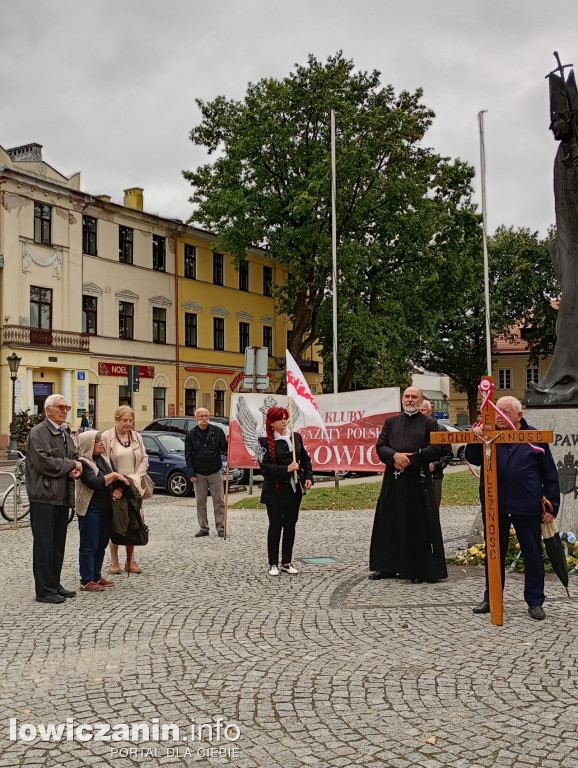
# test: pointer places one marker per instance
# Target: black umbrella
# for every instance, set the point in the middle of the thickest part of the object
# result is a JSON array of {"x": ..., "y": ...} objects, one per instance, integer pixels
[{"x": 554, "y": 547}]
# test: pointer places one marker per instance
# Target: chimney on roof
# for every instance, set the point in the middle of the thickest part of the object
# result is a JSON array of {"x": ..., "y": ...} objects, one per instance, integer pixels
[
  {"x": 31, "y": 153},
  {"x": 133, "y": 198}
]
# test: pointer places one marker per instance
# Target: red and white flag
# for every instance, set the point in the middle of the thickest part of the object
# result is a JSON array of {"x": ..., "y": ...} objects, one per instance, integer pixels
[{"x": 299, "y": 392}]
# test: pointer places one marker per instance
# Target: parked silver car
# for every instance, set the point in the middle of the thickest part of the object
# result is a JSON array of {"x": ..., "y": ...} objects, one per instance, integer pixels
[{"x": 183, "y": 424}]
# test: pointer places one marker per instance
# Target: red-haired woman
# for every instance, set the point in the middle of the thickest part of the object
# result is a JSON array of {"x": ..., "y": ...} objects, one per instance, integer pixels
[{"x": 281, "y": 494}]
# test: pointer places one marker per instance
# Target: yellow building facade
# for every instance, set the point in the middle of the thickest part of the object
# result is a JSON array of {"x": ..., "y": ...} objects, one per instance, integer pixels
[
  {"x": 89, "y": 287},
  {"x": 222, "y": 311}
]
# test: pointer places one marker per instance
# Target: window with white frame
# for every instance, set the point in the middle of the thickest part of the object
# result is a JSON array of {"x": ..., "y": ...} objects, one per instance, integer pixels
[
  {"x": 504, "y": 378},
  {"x": 89, "y": 235},
  {"x": 532, "y": 376},
  {"x": 190, "y": 402},
  {"x": 218, "y": 333},
  {"x": 268, "y": 338},
  {"x": 219, "y": 403},
  {"x": 42, "y": 223},
  {"x": 159, "y": 402},
  {"x": 191, "y": 330},
  {"x": 159, "y": 325},
  {"x": 190, "y": 261}
]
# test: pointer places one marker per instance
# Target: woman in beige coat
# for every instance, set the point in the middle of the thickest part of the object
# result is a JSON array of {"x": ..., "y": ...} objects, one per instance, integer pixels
[{"x": 126, "y": 448}]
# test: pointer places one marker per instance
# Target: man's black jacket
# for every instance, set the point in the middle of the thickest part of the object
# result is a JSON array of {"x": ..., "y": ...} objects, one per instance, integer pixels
[
  {"x": 446, "y": 456},
  {"x": 203, "y": 450}
]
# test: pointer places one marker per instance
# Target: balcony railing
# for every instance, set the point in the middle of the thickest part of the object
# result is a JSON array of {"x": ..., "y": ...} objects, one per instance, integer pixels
[
  {"x": 307, "y": 366},
  {"x": 24, "y": 336}
]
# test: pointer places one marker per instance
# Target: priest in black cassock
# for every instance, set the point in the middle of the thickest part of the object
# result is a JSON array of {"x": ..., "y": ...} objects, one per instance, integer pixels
[{"x": 407, "y": 539}]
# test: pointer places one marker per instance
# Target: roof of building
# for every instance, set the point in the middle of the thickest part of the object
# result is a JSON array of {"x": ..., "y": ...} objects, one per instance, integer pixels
[{"x": 511, "y": 343}]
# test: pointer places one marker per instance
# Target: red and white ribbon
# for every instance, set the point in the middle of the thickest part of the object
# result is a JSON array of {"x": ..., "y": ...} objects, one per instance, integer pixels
[{"x": 485, "y": 389}]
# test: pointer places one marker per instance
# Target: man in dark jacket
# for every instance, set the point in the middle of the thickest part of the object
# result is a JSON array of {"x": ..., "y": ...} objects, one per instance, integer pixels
[
  {"x": 525, "y": 475},
  {"x": 204, "y": 446},
  {"x": 446, "y": 455},
  {"x": 50, "y": 462}
]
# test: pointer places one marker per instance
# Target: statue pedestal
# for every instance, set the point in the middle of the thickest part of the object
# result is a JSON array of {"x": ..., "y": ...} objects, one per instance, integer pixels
[{"x": 564, "y": 423}]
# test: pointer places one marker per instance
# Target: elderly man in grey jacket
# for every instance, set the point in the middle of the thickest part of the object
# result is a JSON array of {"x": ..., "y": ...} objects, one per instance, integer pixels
[{"x": 50, "y": 461}]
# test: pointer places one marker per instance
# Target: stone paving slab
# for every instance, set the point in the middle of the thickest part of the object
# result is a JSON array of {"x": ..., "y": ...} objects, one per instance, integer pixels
[{"x": 321, "y": 669}]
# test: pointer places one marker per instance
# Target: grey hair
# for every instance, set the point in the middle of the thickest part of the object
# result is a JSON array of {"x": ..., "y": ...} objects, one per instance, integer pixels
[
  {"x": 51, "y": 399},
  {"x": 513, "y": 401}
]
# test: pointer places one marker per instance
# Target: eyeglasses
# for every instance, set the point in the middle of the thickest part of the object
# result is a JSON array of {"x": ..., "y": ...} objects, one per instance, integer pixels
[{"x": 61, "y": 407}]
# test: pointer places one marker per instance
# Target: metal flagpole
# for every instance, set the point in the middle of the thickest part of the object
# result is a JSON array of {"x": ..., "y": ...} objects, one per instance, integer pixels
[
  {"x": 334, "y": 256},
  {"x": 227, "y": 492},
  {"x": 295, "y": 474},
  {"x": 334, "y": 248},
  {"x": 485, "y": 239}
]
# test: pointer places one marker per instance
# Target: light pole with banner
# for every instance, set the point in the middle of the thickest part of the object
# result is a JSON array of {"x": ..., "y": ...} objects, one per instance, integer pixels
[
  {"x": 256, "y": 379},
  {"x": 13, "y": 362}
]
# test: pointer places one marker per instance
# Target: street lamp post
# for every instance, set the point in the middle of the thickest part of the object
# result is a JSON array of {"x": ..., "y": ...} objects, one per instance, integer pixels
[{"x": 13, "y": 362}]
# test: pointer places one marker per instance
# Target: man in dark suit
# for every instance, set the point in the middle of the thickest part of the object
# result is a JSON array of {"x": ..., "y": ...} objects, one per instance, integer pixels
[
  {"x": 446, "y": 455},
  {"x": 50, "y": 462},
  {"x": 526, "y": 474}
]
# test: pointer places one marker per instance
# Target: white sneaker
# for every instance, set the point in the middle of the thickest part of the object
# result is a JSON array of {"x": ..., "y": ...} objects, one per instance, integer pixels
[
  {"x": 289, "y": 569},
  {"x": 273, "y": 570}
]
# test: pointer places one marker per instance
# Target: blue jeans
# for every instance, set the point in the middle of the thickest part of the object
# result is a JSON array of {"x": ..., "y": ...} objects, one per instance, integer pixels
[{"x": 94, "y": 529}]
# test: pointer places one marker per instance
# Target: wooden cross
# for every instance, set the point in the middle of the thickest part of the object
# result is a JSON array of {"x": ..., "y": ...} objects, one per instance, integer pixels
[{"x": 493, "y": 437}]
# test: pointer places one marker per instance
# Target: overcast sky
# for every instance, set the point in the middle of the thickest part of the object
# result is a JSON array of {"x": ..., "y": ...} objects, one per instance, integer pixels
[{"x": 108, "y": 87}]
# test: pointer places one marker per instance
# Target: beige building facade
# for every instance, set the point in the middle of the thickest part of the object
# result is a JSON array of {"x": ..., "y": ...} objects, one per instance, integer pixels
[
  {"x": 89, "y": 287},
  {"x": 511, "y": 371}
]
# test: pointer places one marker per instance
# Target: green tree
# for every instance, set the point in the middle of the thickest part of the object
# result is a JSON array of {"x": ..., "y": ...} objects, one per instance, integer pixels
[
  {"x": 526, "y": 285},
  {"x": 522, "y": 285},
  {"x": 24, "y": 423},
  {"x": 387, "y": 310},
  {"x": 270, "y": 185}
]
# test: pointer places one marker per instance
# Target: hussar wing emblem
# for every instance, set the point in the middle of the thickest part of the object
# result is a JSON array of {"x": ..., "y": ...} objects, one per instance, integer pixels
[
  {"x": 296, "y": 415},
  {"x": 249, "y": 427}
]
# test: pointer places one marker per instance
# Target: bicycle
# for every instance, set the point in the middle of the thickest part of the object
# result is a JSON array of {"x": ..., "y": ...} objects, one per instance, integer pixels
[
  {"x": 22, "y": 503},
  {"x": 7, "y": 500}
]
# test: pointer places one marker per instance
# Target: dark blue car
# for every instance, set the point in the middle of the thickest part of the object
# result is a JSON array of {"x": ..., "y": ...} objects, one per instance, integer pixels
[{"x": 167, "y": 465}]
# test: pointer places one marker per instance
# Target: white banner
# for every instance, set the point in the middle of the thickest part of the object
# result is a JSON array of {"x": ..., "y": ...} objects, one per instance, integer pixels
[{"x": 353, "y": 421}]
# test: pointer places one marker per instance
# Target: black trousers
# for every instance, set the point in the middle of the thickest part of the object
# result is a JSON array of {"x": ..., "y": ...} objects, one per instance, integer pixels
[
  {"x": 281, "y": 519},
  {"x": 49, "y": 523}
]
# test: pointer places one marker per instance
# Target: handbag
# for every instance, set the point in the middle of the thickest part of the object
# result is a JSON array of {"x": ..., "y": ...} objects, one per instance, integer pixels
[
  {"x": 127, "y": 525},
  {"x": 148, "y": 487},
  {"x": 144, "y": 484},
  {"x": 136, "y": 536}
]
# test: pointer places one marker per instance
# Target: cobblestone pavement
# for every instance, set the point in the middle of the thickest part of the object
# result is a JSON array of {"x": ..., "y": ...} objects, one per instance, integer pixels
[{"x": 321, "y": 669}]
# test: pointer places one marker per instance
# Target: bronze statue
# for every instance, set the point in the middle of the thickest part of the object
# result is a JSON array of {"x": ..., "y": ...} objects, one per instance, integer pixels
[{"x": 560, "y": 384}]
